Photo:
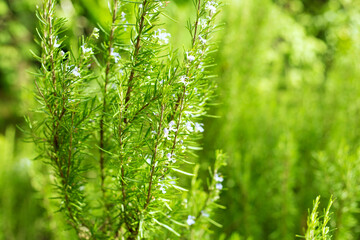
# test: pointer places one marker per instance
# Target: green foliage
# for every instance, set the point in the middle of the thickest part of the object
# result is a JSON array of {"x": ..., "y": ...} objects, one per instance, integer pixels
[
  {"x": 287, "y": 93},
  {"x": 142, "y": 116},
  {"x": 317, "y": 226},
  {"x": 289, "y": 121},
  {"x": 17, "y": 23},
  {"x": 22, "y": 215}
]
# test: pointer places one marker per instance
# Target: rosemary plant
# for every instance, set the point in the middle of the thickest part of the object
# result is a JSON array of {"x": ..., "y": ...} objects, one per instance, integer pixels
[
  {"x": 317, "y": 226},
  {"x": 119, "y": 150}
]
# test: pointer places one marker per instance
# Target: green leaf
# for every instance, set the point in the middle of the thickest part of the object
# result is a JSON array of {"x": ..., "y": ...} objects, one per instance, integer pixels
[{"x": 167, "y": 227}]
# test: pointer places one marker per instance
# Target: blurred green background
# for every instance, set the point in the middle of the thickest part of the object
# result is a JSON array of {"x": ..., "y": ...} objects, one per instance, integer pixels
[{"x": 288, "y": 105}]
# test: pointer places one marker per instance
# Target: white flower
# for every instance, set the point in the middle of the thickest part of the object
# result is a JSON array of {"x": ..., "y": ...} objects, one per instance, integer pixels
[
  {"x": 123, "y": 16},
  {"x": 198, "y": 127},
  {"x": 211, "y": 6},
  {"x": 96, "y": 33},
  {"x": 202, "y": 40},
  {"x": 201, "y": 66},
  {"x": 219, "y": 186},
  {"x": 125, "y": 26},
  {"x": 190, "y": 57},
  {"x": 76, "y": 72},
  {"x": 189, "y": 127},
  {"x": 205, "y": 214},
  {"x": 170, "y": 157},
  {"x": 166, "y": 132},
  {"x": 203, "y": 22},
  {"x": 172, "y": 126},
  {"x": 218, "y": 178},
  {"x": 162, "y": 36},
  {"x": 148, "y": 160},
  {"x": 183, "y": 80},
  {"x": 56, "y": 44},
  {"x": 162, "y": 187},
  {"x": 191, "y": 220},
  {"x": 86, "y": 50},
  {"x": 172, "y": 179},
  {"x": 115, "y": 55}
]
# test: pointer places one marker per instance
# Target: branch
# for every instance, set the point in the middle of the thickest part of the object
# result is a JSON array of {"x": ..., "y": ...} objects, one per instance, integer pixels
[
  {"x": 102, "y": 131},
  {"x": 154, "y": 159},
  {"x": 136, "y": 53}
]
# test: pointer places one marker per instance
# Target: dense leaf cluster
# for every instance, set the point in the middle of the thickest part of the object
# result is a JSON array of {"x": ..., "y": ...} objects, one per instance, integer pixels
[{"x": 119, "y": 122}]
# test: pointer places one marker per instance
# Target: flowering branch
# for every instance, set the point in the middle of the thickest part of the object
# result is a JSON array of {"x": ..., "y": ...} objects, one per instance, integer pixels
[{"x": 143, "y": 118}]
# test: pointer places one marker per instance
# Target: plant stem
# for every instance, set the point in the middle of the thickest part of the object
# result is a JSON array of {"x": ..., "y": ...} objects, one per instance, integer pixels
[
  {"x": 102, "y": 120},
  {"x": 136, "y": 53},
  {"x": 154, "y": 158}
]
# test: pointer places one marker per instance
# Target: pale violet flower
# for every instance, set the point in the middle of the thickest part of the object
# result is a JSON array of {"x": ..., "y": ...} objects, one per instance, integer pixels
[
  {"x": 148, "y": 160},
  {"x": 115, "y": 55},
  {"x": 203, "y": 22},
  {"x": 125, "y": 26},
  {"x": 198, "y": 127},
  {"x": 162, "y": 36},
  {"x": 201, "y": 66},
  {"x": 191, "y": 220},
  {"x": 170, "y": 157},
  {"x": 76, "y": 72},
  {"x": 166, "y": 132},
  {"x": 172, "y": 180},
  {"x": 86, "y": 50},
  {"x": 172, "y": 126},
  {"x": 218, "y": 178},
  {"x": 202, "y": 40},
  {"x": 123, "y": 16},
  {"x": 190, "y": 57},
  {"x": 189, "y": 127},
  {"x": 211, "y": 6},
  {"x": 162, "y": 187},
  {"x": 219, "y": 186},
  {"x": 205, "y": 214}
]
